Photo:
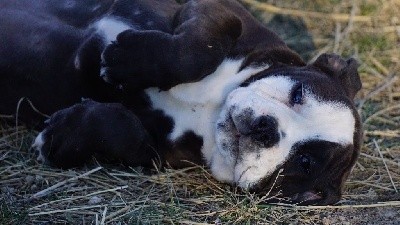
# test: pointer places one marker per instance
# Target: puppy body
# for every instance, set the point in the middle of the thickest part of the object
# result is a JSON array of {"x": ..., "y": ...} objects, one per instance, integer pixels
[{"x": 201, "y": 82}]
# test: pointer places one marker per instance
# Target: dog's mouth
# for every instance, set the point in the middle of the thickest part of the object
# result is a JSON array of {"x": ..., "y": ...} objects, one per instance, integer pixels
[
  {"x": 236, "y": 140},
  {"x": 229, "y": 136}
]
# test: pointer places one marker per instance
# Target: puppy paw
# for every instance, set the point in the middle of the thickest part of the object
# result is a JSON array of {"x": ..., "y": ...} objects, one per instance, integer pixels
[
  {"x": 119, "y": 60},
  {"x": 64, "y": 141},
  {"x": 138, "y": 59}
]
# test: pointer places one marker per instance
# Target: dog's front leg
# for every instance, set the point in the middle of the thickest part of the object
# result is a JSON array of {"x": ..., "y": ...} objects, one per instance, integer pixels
[
  {"x": 203, "y": 36},
  {"x": 73, "y": 135}
]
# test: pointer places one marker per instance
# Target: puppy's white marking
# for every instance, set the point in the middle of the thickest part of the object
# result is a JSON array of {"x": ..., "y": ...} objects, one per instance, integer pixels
[
  {"x": 110, "y": 27},
  {"x": 37, "y": 146},
  {"x": 314, "y": 119},
  {"x": 196, "y": 106},
  {"x": 77, "y": 62},
  {"x": 96, "y": 7}
]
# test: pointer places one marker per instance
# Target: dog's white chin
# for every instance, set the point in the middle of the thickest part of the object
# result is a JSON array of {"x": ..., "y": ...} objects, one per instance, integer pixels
[{"x": 244, "y": 173}]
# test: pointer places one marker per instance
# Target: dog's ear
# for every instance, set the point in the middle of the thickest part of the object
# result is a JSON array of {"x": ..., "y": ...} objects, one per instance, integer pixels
[{"x": 344, "y": 71}]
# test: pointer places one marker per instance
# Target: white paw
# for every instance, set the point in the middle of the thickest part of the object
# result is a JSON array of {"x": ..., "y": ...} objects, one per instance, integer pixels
[{"x": 37, "y": 147}]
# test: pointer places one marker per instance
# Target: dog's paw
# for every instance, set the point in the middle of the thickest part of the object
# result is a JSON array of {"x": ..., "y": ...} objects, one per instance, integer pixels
[
  {"x": 64, "y": 141},
  {"x": 120, "y": 60}
]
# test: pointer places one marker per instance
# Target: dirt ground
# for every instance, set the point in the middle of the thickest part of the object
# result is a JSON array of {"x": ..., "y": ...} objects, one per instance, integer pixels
[{"x": 368, "y": 30}]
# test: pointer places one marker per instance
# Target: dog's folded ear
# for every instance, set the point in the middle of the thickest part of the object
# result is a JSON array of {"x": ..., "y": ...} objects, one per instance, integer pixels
[{"x": 344, "y": 71}]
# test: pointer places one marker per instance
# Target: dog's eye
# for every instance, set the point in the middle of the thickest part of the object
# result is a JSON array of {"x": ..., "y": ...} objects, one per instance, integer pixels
[
  {"x": 305, "y": 162},
  {"x": 297, "y": 95}
]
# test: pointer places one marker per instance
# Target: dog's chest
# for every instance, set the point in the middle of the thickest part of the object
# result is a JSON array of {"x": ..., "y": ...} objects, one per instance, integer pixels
[{"x": 195, "y": 107}]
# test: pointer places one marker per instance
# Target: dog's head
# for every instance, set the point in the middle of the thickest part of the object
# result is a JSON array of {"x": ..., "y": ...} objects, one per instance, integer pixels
[{"x": 294, "y": 131}]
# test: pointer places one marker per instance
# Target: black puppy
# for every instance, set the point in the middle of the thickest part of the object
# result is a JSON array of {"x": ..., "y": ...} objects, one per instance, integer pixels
[{"x": 202, "y": 82}]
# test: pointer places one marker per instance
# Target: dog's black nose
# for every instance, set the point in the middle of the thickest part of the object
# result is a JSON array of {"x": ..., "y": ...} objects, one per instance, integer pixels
[{"x": 264, "y": 130}]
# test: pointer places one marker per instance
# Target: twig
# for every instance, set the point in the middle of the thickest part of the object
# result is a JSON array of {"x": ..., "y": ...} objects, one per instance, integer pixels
[
  {"x": 387, "y": 83},
  {"x": 387, "y": 133},
  {"x": 384, "y": 162},
  {"x": 379, "y": 65},
  {"x": 350, "y": 25},
  {"x": 338, "y": 37},
  {"x": 372, "y": 185},
  {"x": 103, "y": 217},
  {"x": 3, "y": 116},
  {"x": 80, "y": 197},
  {"x": 49, "y": 190},
  {"x": 380, "y": 112},
  {"x": 318, "y": 15},
  {"x": 66, "y": 210},
  {"x": 377, "y": 158},
  {"x": 379, "y": 204}
]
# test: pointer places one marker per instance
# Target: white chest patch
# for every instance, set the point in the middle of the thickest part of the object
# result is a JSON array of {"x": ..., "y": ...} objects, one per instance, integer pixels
[
  {"x": 196, "y": 106},
  {"x": 110, "y": 27}
]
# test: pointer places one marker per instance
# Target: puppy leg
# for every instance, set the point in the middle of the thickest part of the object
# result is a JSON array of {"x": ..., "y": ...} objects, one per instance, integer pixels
[
  {"x": 74, "y": 134},
  {"x": 204, "y": 33}
]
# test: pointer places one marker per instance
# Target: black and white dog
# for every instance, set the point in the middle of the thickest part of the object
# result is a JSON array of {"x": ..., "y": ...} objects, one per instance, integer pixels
[{"x": 202, "y": 82}]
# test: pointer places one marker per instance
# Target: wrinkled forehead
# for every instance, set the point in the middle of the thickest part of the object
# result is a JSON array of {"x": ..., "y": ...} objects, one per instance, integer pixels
[{"x": 319, "y": 83}]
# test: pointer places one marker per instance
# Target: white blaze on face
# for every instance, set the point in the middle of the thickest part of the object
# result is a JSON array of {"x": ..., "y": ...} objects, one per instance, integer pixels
[{"x": 314, "y": 119}]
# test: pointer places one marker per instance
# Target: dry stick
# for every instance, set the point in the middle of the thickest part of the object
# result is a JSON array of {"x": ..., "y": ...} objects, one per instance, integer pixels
[
  {"x": 103, "y": 217},
  {"x": 379, "y": 65},
  {"x": 66, "y": 210},
  {"x": 188, "y": 222},
  {"x": 350, "y": 25},
  {"x": 111, "y": 217},
  {"x": 333, "y": 16},
  {"x": 386, "y": 121},
  {"x": 3, "y": 116},
  {"x": 269, "y": 191},
  {"x": 372, "y": 185},
  {"x": 80, "y": 197},
  {"x": 121, "y": 204},
  {"x": 338, "y": 37},
  {"x": 49, "y": 190},
  {"x": 387, "y": 133},
  {"x": 18, "y": 108},
  {"x": 384, "y": 162},
  {"x": 377, "y": 158},
  {"x": 380, "y": 112},
  {"x": 379, "y": 204},
  {"x": 387, "y": 83}
]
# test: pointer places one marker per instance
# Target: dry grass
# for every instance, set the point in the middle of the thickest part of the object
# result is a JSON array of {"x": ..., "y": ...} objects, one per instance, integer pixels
[{"x": 100, "y": 194}]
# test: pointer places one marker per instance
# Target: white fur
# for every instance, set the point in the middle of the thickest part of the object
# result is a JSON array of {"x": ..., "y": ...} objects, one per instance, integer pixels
[
  {"x": 110, "y": 27},
  {"x": 37, "y": 146},
  {"x": 77, "y": 62},
  {"x": 196, "y": 106},
  {"x": 314, "y": 119}
]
